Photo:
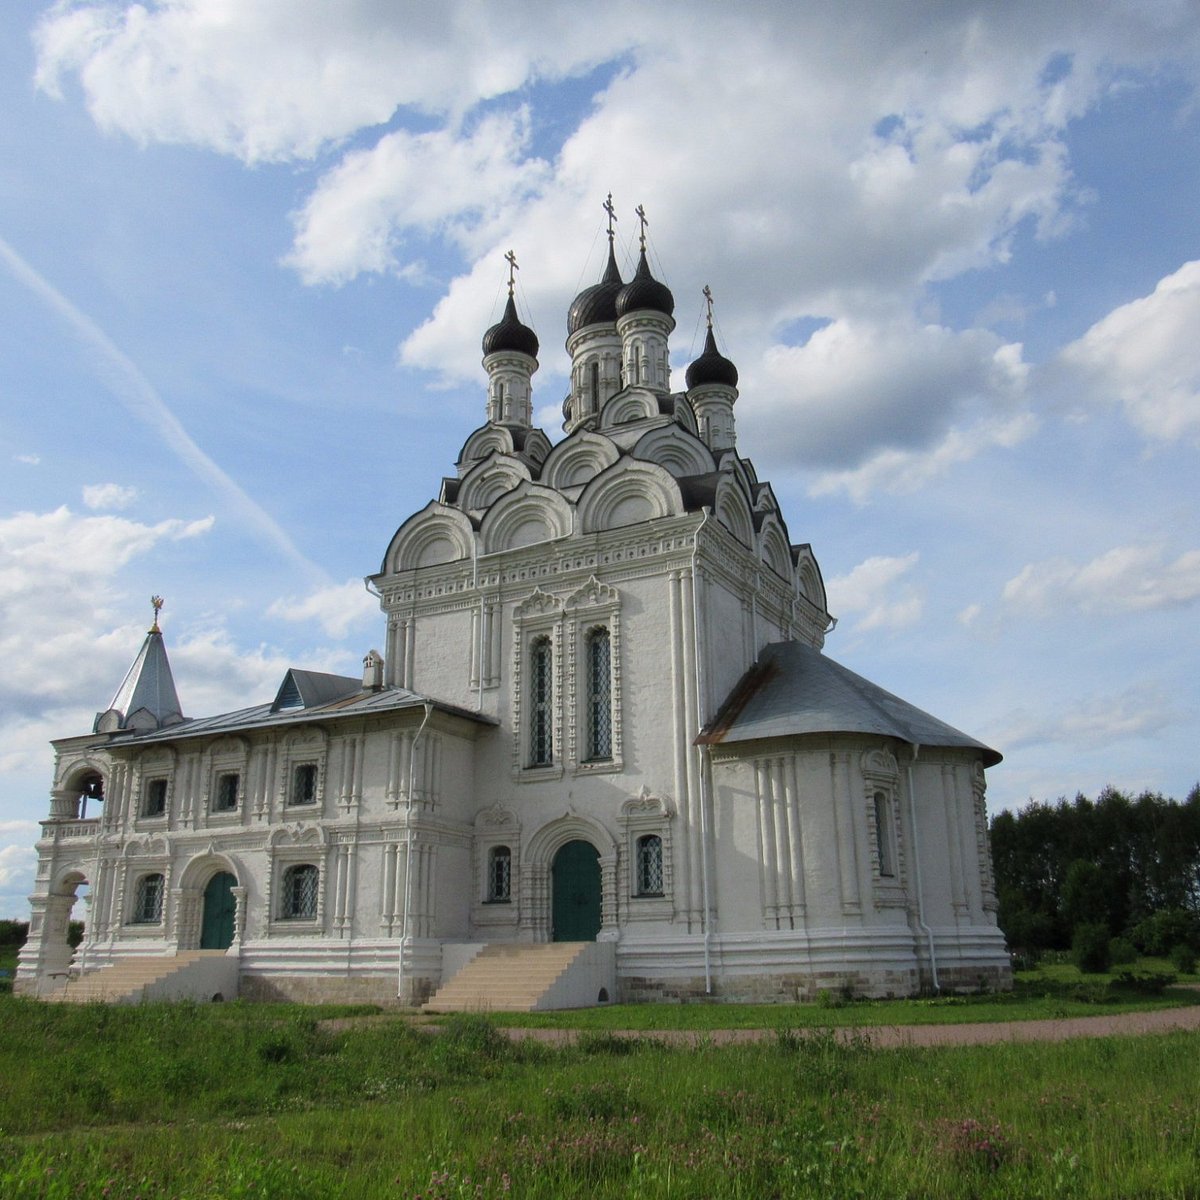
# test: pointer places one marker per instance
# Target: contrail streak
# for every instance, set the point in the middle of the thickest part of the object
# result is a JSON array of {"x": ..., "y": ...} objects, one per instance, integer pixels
[{"x": 127, "y": 383}]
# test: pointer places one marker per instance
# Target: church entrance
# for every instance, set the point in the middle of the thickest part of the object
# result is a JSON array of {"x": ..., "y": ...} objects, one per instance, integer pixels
[
  {"x": 575, "y": 893},
  {"x": 220, "y": 908}
]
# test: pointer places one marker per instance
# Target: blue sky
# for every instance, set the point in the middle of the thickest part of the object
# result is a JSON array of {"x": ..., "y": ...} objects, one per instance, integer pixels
[{"x": 248, "y": 250}]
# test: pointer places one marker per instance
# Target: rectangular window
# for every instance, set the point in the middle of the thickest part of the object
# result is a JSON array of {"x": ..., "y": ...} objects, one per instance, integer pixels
[
  {"x": 226, "y": 798},
  {"x": 154, "y": 801},
  {"x": 148, "y": 903},
  {"x": 499, "y": 889},
  {"x": 300, "y": 886},
  {"x": 650, "y": 866},
  {"x": 883, "y": 835},
  {"x": 304, "y": 784},
  {"x": 541, "y": 718},
  {"x": 599, "y": 695}
]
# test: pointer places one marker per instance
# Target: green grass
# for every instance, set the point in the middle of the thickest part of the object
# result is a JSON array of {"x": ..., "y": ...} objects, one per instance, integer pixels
[
  {"x": 237, "y": 1101},
  {"x": 1053, "y": 992}
]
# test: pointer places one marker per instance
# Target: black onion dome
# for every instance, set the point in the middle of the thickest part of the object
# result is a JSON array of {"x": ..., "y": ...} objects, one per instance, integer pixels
[
  {"x": 712, "y": 366},
  {"x": 644, "y": 291},
  {"x": 597, "y": 305},
  {"x": 509, "y": 334}
]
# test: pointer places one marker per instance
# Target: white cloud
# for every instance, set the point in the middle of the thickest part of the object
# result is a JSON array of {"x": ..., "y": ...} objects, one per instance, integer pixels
[
  {"x": 30, "y": 460},
  {"x": 17, "y": 861},
  {"x": 337, "y": 609},
  {"x": 1122, "y": 580},
  {"x": 108, "y": 495},
  {"x": 1096, "y": 721},
  {"x": 465, "y": 188},
  {"x": 880, "y": 590},
  {"x": 1145, "y": 356}
]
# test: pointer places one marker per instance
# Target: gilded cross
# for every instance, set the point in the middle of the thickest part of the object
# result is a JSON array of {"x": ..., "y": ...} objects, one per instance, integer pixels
[
  {"x": 641, "y": 216},
  {"x": 511, "y": 259},
  {"x": 708, "y": 300},
  {"x": 612, "y": 215}
]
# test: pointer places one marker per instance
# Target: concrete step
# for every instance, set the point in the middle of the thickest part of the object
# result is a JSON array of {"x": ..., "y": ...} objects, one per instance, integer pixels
[
  {"x": 506, "y": 978},
  {"x": 125, "y": 981}
]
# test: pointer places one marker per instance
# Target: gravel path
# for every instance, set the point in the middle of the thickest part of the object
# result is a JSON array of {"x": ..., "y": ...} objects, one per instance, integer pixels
[{"x": 1162, "y": 1020}]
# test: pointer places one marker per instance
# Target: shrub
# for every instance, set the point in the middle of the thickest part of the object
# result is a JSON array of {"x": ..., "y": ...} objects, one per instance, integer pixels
[
  {"x": 1183, "y": 959},
  {"x": 1121, "y": 951},
  {"x": 1157, "y": 934},
  {"x": 1089, "y": 948},
  {"x": 1145, "y": 982}
]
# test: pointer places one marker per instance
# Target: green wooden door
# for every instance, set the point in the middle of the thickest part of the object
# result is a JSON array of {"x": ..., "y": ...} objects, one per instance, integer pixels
[
  {"x": 575, "y": 892},
  {"x": 216, "y": 929}
]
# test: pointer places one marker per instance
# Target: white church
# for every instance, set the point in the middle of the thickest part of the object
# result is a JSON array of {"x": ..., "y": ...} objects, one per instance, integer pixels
[{"x": 601, "y": 757}]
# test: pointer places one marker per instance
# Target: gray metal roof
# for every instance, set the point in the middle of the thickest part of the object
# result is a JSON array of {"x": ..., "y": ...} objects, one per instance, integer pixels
[
  {"x": 794, "y": 689},
  {"x": 356, "y": 703},
  {"x": 148, "y": 687}
]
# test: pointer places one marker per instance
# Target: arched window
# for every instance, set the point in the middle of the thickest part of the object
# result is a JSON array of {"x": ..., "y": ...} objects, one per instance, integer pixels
[
  {"x": 599, "y": 695},
  {"x": 499, "y": 876},
  {"x": 148, "y": 901},
  {"x": 299, "y": 899},
  {"x": 649, "y": 866},
  {"x": 883, "y": 835},
  {"x": 541, "y": 720}
]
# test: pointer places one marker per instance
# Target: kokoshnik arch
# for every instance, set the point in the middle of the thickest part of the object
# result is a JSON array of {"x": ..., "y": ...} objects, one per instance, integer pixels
[{"x": 602, "y": 713}]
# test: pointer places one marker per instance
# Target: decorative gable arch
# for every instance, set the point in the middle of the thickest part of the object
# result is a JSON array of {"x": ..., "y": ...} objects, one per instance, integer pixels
[
  {"x": 578, "y": 460},
  {"x": 773, "y": 547},
  {"x": 732, "y": 509},
  {"x": 437, "y": 534},
  {"x": 808, "y": 578},
  {"x": 525, "y": 516},
  {"x": 633, "y": 404},
  {"x": 491, "y": 479},
  {"x": 484, "y": 442},
  {"x": 629, "y": 493},
  {"x": 676, "y": 450}
]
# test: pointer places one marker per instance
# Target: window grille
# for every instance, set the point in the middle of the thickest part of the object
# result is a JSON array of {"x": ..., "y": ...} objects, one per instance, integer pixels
[
  {"x": 650, "y": 865},
  {"x": 227, "y": 792},
  {"x": 148, "y": 902},
  {"x": 541, "y": 736},
  {"x": 304, "y": 784},
  {"x": 599, "y": 695},
  {"x": 300, "y": 891},
  {"x": 499, "y": 874},
  {"x": 155, "y": 804},
  {"x": 883, "y": 840}
]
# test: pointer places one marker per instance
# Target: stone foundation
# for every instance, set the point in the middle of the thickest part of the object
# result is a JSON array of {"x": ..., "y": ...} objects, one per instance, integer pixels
[
  {"x": 796, "y": 988},
  {"x": 319, "y": 989}
]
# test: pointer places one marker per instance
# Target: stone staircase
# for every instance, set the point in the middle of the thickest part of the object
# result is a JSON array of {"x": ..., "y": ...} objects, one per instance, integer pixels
[
  {"x": 190, "y": 974},
  {"x": 528, "y": 977}
]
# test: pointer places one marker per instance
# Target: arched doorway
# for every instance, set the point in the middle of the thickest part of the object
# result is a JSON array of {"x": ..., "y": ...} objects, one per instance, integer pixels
[
  {"x": 220, "y": 909},
  {"x": 575, "y": 893}
]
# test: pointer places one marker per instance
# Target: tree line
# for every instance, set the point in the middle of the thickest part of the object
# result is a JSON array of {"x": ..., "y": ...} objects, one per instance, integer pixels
[{"x": 1116, "y": 868}]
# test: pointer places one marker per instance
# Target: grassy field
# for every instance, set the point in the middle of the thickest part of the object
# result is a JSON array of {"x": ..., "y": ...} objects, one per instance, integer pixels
[{"x": 240, "y": 1101}]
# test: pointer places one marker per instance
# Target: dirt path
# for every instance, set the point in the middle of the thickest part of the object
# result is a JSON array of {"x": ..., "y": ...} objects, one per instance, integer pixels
[{"x": 1161, "y": 1020}]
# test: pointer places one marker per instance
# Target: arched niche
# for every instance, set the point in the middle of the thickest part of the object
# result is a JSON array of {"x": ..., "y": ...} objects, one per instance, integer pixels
[
  {"x": 578, "y": 459},
  {"x": 525, "y": 516},
  {"x": 490, "y": 480},
  {"x": 436, "y": 534},
  {"x": 675, "y": 450},
  {"x": 629, "y": 493}
]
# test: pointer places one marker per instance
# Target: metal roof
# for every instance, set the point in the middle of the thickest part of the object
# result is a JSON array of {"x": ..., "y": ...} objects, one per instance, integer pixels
[
  {"x": 149, "y": 686},
  {"x": 794, "y": 689},
  {"x": 355, "y": 703}
]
